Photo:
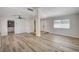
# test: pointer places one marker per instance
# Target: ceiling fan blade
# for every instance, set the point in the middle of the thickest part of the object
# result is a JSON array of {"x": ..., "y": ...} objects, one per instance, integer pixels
[
  {"x": 19, "y": 17},
  {"x": 30, "y": 9}
]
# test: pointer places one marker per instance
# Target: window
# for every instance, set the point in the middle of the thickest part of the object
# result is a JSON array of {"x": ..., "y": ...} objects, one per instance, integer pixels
[{"x": 62, "y": 23}]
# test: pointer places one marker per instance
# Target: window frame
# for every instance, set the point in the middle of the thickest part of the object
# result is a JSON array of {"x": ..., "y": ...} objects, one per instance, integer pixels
[{"x": 62, "y": 20}]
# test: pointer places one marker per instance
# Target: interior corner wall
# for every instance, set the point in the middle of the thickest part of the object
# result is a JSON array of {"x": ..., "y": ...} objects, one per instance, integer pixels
[{"x": 74, "y": 25}]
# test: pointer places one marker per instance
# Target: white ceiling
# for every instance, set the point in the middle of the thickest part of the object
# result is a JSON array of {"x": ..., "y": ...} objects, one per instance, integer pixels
[
  {"x": 15, "y": 11},
  {"x": 57, "y": 11},
  {"x": 44, "y": 11}
]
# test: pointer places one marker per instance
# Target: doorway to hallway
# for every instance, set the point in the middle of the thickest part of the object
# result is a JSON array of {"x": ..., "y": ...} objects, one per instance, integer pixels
[{"x": 10, "y": 25}]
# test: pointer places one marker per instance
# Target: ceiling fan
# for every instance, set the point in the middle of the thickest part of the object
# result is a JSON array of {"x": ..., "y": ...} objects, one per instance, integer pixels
[
  {"x": 18, "y": 16},
  {"x": 30, "y": 9}
]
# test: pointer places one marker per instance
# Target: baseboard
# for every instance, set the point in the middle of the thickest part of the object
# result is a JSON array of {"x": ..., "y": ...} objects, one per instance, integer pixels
[
  {"x": 61, "y": 35},
  {"x": 3, "y": 35},
  {"x": 65, "y": 36}
]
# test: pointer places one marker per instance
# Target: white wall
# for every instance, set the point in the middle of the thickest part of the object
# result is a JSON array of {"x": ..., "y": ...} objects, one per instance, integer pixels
[
  {"x": 0, "y": 26},
  {"x": 3, "y": 26},
  {"x": 74, "y": 25},
  {"x": 21, "y": 25},
  {"x": 24, "y": 25},
  {"x": 29, "y": 25}
]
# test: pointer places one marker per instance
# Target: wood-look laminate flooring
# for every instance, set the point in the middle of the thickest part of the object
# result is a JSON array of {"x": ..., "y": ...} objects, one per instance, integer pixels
[{"x": 45, "y": 43}]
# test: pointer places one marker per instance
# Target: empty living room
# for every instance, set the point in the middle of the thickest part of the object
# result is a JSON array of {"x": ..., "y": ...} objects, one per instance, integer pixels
[{"x": 39, "y": 29}]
